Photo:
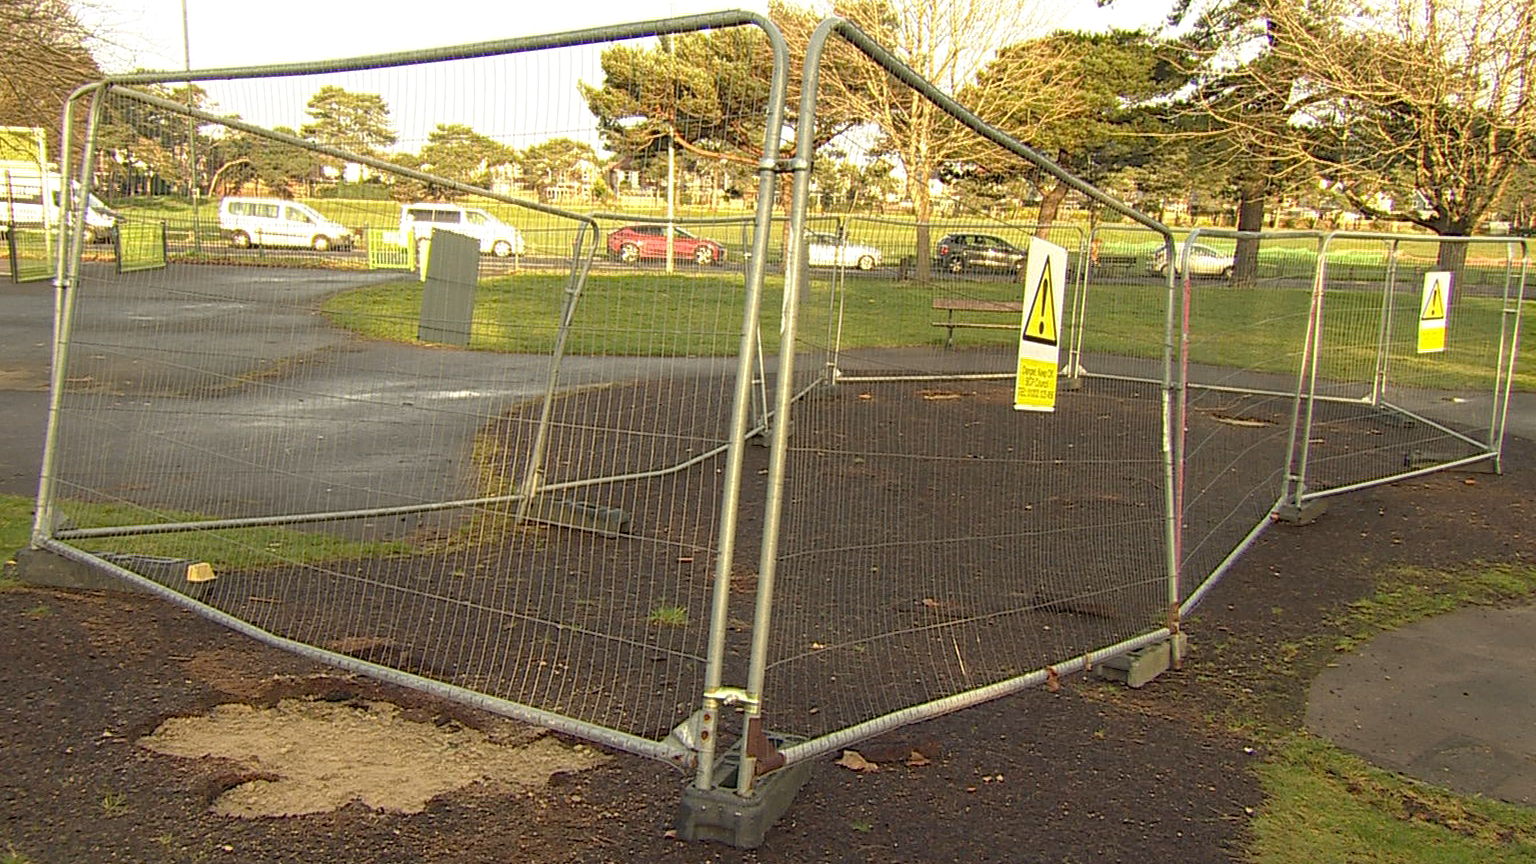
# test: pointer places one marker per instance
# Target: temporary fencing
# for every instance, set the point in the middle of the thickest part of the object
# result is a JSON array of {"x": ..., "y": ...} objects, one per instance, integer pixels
[{"x": 535, "y": 484}]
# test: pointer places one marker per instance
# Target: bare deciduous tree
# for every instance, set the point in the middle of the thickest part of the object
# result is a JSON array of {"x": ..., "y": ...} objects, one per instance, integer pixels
[
  {"x": 1419, "y": 111},
  {"x": 948, "y": 42},
  {"x": 45, "y": 57}
]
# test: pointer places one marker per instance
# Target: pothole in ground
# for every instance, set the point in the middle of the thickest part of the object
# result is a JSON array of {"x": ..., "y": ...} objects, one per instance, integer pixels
[{"x": 306, "y": 756}]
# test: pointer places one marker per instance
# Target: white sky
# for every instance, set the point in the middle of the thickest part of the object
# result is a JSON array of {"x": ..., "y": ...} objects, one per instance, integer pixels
[{"x": 147, "y": 34}]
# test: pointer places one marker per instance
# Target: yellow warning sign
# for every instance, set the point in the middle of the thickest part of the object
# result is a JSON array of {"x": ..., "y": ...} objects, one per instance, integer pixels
[
  {"x": 1434, "y": 307},
  {"x": 1040, "y": 331},
  {"x": 1040, "y": 322},
  {"x": 1435, "y": 301}
]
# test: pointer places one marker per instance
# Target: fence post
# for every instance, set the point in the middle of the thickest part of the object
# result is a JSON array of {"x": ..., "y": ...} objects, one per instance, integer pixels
[
  {"x": 1384, "y": 333},
  {"x": 1298, "y": 448}
]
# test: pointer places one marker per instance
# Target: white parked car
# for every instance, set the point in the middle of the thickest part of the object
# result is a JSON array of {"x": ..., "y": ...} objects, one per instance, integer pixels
[
  {"x": 1203, "y": 261},
  {"x": 496, "y": 237},
  {"x": 274, "y": 222},
  {"x": 30, "y": 197},
  {"x": 827, "y": 250}
]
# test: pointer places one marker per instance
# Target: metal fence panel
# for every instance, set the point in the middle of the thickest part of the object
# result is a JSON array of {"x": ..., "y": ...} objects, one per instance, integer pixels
[
  {"x": 926, "y": 544},
  {"x": 528, "y": 521},
  {"x": 1419, "y": 405}
]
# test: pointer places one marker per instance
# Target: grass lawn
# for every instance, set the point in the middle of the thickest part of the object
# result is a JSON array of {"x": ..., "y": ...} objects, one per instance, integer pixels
[
  {"x": 689, "y": 314},
  {"x": 230, "y": 547},
  {"x": 1323, "y": 805}
]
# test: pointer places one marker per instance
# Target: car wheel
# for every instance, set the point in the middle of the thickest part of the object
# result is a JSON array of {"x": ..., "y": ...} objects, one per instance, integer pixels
[
  {"x": 866, "y": 262},
  {"x": 422, "y": 245},
  {"x": 703, "y": 255},
  {"x": 501, "y": 249},
  {"x": 629, "y": 253},
  {"x": 1226, "y": 273},
  {"x": 321, "y": 243},
  {"x": 956, "y": 265},
  {"x": 240, "y": 240}
]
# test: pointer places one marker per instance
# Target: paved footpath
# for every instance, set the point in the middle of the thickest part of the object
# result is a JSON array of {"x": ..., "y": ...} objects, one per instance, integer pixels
[{"x": 1450, "y": 700}]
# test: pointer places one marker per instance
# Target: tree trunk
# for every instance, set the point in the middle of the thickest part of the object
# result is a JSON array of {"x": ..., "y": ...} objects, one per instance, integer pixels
[
  {"x": 1250, "y": 217},
  {"x": 1451, "y": 258},
  {"x": 1050, "y": 205},
  {"x": 922, "y": 210}
]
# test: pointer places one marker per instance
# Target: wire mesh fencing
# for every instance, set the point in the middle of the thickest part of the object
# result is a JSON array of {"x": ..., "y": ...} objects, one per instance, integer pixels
[
  {"x": 499, "y": 482},
  {"x": 1414, "y": 353},
  {"x": 927, "y": 544},
  {"x": 491, "y": 427}
]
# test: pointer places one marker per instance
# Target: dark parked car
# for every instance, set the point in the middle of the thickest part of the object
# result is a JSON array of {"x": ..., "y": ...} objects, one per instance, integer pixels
[
  {"x": 633, "y": 242},
  {"x": 964, "y": 251}
]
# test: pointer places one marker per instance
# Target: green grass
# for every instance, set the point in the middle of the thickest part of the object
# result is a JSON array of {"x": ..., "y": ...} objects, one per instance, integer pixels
[
  {"x": 1324, "y": 806},
  {"x": 223, "y": 548},
  {"x": 698, "y": 314},
  {"x": 11, "y": 856},
  {"x": 668, "y": 616},
  {"x": 1410, "y": 594},
  {"x": 113, "y": 804}
]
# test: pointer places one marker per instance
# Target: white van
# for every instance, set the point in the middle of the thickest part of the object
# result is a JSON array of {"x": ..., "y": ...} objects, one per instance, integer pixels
[
  {"x": 30, "y": 197},
  {"x": 274, "y": 222},
  {"x": 496, "y": 237}
]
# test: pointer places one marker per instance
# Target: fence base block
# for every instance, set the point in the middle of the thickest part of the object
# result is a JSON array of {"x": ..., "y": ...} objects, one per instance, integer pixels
[
  {"x": 47, "y": 569},
  {"x": 606, "y": 521},
  {"x": 722, "y": 816},
  {"x": 1306, "y": 514},
  {"x": 1142, "y": 665}
]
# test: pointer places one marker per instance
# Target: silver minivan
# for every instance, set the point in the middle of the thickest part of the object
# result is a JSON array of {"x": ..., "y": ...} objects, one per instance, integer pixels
[
  {"x": 274, "y": 222},
  {"x": 496, "y": 237}
]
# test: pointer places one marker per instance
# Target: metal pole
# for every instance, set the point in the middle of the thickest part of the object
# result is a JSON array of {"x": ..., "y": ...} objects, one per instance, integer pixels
[
  {"x": 1384, "y": 331},
  {"x": 671, "y": 201},
  {"x": 66, "y": 277},
  {"x": 186, "y": 54},
  {"x": 1313, "y": 351},
  {"x": 714, "y": 671}
]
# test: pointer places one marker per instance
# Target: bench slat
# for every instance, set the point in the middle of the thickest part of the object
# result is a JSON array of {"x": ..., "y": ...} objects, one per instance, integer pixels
[{"x": 966, "y": 304}]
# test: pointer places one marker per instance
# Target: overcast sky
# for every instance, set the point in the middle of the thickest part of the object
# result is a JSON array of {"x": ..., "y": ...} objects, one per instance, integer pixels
[
  {"x": 498, "y": 100},
  {"x": 148, "y": 33}
]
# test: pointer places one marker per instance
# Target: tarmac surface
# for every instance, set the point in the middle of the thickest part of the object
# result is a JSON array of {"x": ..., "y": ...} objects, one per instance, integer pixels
[{"x": 1448, "y": 700}]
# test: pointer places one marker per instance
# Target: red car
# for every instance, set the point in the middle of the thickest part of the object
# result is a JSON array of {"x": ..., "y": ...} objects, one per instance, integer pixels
[{"x": 633, "y": 242}]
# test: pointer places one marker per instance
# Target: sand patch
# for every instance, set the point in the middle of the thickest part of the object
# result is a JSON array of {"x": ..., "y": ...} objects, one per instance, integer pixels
[{"x": 307, "y": 756}]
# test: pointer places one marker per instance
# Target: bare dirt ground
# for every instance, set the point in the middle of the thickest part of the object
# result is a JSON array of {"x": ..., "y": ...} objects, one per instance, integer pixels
[{"x": 1086, "y": 774}]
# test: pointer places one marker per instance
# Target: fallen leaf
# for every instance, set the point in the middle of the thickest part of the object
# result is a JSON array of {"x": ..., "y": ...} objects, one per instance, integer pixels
[
  {"x": 1470, "y": 482},
  {"x": 930, "y": 603},
  {"x": 866, "y": 396},
  {"x": 854, "y": 762},
  {"x": 918, "y": 760}
]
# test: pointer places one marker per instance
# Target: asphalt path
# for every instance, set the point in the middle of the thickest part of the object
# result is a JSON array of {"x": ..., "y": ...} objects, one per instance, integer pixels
[
  {"x": 294, "y": 415},
  {"x": 272, "y": 373}
]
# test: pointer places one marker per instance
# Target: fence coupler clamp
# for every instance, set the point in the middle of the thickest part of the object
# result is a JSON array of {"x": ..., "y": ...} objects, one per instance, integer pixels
[{"x": 732, "y": 696}]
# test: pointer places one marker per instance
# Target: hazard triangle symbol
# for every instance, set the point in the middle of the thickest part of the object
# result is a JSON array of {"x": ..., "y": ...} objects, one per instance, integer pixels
[
  {"x": 1040, "y": 325},
  {"x": 1434, "y": 308}
]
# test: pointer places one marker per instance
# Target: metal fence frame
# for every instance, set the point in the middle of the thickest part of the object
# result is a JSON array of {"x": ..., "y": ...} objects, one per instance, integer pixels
[
  {"x": 696, "y": 743},
  {"x": 752, "y": 697},
  {"x": 47, "y": 534}
]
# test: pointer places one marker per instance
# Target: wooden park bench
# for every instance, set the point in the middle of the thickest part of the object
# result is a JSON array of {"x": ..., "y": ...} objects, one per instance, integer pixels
[{"x": 951, "y": 305}]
